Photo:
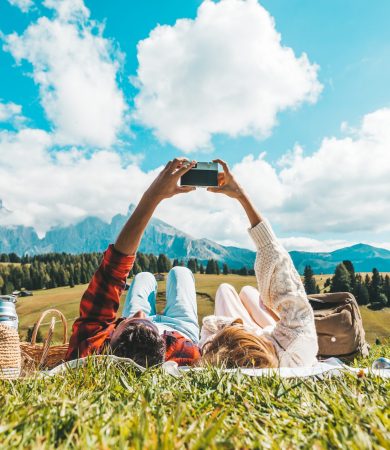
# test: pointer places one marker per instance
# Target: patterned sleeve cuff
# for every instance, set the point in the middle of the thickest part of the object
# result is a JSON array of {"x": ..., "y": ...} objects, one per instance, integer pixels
[
  {"x": 117, "y": 262},
  {"x": 262, "y": 234}
]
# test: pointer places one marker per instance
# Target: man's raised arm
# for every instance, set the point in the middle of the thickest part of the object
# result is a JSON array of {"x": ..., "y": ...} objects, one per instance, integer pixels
[
  {"x": 100, "y": 302},
  {"x": 164, "y": 186}
]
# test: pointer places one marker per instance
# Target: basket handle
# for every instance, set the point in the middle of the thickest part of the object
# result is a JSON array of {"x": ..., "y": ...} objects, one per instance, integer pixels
[
  {"x": 47, "y": 342},
  {"x": 55, "y": 312}
]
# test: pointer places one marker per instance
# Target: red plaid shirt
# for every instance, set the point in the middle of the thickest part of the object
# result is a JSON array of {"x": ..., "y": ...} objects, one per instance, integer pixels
[{"x": 98, "y": 307}]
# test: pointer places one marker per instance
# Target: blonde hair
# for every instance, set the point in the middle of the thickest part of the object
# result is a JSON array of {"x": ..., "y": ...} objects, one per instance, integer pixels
[{"x": 233, "y": 346}]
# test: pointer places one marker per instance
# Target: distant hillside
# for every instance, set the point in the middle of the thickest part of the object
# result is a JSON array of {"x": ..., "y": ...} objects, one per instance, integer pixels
[
  {"x": 93, "y": 234},
  {"x": 364, "y": 257}
]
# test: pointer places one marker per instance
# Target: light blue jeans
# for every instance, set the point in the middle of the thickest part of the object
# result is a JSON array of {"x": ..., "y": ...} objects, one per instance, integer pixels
[{"x": 180, "y": 312}]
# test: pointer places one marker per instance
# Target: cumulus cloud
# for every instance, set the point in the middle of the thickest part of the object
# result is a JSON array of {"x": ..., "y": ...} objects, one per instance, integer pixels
[
  {"x": 226, "y": 71},
  {"x": 75, "y": 68},
  {"x": 342, "y": 187},
  {"x": 23, "y": 5},
  {"x": 314, "y": 245},
  {"x": 11, "y": 113},
  {"x": 42, "y": 188}
]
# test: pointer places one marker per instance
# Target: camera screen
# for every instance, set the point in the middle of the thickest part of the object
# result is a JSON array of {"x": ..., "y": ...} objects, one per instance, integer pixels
[{"x": 198, "y": 177}]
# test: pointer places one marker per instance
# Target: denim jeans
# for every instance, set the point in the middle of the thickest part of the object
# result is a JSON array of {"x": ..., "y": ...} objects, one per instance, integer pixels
[{"x": 180, "y": 312}]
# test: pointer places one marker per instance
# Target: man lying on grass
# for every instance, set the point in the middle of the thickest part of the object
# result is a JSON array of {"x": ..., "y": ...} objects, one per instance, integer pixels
[{"x": 141, "y": 334}]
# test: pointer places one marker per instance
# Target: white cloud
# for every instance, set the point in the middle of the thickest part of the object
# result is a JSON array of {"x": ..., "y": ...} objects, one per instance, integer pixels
[
  {"x": 11, "y": 113},
  {"x": 314, "y": 245},
  {"x": 342, "y": 187},
  {"x": 23, "y": 5},
  {"x": 68, "y": 10},
  {"x": 43, "y": 188},
  {"x": 226, "y": 71},
  {"x": 76, "y": 69}
]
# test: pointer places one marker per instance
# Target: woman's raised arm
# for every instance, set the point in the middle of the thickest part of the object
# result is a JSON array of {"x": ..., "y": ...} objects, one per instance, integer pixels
[{"x": 229, "y": 186}]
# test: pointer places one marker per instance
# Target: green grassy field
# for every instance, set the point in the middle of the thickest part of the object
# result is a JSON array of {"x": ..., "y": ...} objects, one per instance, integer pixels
[
  {"x": 107, "y": 407},
  {"x": 102, "y": 407},
  {"x": 67, "y": 300}
]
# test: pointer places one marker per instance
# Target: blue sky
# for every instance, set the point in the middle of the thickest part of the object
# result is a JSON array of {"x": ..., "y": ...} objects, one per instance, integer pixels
[{"x": 349, "y": 41}]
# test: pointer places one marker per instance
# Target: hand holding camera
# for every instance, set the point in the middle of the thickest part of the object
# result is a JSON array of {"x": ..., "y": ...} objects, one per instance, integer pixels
[
  {"x": 227, "y": 184},
  {"x": 166, "y": 183}
]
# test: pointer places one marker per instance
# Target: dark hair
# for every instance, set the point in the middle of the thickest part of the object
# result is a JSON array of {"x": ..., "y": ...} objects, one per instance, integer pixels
[{"x": 142, "y": 344}]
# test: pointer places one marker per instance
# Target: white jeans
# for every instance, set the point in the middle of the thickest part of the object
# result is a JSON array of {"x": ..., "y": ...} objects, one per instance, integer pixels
[
  {"x": 247, "y": 306},
  {"x": 180, "y": 313}
]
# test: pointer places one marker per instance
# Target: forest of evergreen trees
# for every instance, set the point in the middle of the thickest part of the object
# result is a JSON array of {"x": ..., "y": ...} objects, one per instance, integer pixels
[
  {"x": 53, "y": 270},
  {"x": 372, "y": 290}
]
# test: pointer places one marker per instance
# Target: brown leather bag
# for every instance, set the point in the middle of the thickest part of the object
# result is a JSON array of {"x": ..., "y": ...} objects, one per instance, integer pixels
[{"x": 339, "y": 326}]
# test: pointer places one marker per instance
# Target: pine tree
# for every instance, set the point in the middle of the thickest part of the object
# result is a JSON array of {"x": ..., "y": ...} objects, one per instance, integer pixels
[
  {"x": 191, "y": 264},
  {"x": 136, "y": 268},
  {"x": 152, "y": 263},
  {"x": 361, "y": 292},
  {"x": 225, "y": 269},
  {"x": 163, "y": 263},
  {"x": 175, "y": 262},
  {"x": 341, "y": 281},
  {"x": 243, "y": 271},
  {"x": 349, "y": 266},
  {"x": 201, "y": 268},
  {"x": 386, "y": 288},
  {"x": 382, "y": 300},
  {"x": 210, "y": 268},
  {"x": 327, "y": 283},
  {"x": 8, "y": 287},
  {"x": 217, "y": 268},
  {"x": 375, "y": 287},
  {"x": 143, "y": 262},
  {"x": 309, "y": 281}
]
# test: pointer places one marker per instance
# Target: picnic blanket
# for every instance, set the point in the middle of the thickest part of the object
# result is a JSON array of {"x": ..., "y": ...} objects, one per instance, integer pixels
[{"x": 330, "y": 367}]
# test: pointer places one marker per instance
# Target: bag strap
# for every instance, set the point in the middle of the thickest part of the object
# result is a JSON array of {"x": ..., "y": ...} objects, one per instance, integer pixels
[
  {"x": 332, "y": 297},
  {"x": 52, "y": 324}
]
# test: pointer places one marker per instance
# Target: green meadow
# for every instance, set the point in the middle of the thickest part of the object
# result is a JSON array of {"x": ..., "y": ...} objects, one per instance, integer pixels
[
  {"x": 107, "y": 406},
  {"x": 113, "y": 407}
]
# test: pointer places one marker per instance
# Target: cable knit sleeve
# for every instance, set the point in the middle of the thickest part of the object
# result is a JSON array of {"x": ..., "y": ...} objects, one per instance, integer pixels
[{"x": 281, "y": 290}]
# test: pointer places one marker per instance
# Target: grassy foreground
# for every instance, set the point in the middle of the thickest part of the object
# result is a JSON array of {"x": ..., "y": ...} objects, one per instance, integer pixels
[{"x": 114, "y": 407}]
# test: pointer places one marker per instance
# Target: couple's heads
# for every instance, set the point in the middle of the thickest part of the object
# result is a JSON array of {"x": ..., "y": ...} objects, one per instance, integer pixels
[
  {"x": 139, "y": 339},
  {"x": 233, "y": 346}
]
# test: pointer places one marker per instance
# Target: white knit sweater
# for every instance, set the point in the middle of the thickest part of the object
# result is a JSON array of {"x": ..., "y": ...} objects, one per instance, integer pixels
[{"x": 281, "y": 289}]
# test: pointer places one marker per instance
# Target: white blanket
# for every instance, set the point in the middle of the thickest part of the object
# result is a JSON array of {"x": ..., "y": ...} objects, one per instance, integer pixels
[{"x": 330, "y": 367}]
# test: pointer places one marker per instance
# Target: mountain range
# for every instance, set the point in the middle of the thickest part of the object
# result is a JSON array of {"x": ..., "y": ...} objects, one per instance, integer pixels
[{"x": 94, "y": 235}]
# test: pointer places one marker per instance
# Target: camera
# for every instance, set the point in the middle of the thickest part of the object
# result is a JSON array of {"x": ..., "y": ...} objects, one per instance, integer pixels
[{"x": 202, "y": 174}]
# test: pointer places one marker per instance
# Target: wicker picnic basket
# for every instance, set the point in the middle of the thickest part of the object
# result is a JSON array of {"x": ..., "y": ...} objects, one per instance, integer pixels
[{"x": 45, "y": 356}]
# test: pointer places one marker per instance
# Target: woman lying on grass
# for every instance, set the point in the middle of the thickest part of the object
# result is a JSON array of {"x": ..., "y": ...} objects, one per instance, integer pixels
[{"x": 271, "y": 328}]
